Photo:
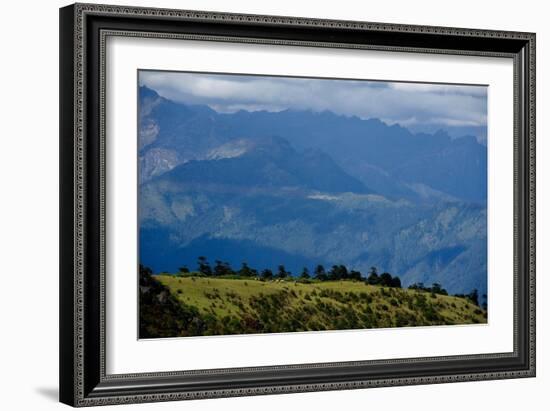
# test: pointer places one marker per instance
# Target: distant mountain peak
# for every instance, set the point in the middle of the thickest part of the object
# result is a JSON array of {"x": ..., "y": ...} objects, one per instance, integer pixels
[
  {"x": 266, "y": 162},
  {"x": 386, "y": 158},
  {"x": 231, "y": 149},
  {"x": 146, "y": 92}
]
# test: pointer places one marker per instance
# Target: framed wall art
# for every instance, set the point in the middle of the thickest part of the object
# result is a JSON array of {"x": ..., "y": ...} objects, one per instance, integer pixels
[{"x": 261, "y": 204}]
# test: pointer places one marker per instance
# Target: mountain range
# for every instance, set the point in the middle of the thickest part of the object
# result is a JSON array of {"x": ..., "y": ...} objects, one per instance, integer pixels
[{"x": 302, "y": 188}]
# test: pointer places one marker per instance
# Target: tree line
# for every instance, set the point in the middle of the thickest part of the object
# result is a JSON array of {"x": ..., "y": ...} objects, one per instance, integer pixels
[
  {"x": 335, "y": 273},
  {"x": 320, "y": 273},
  {"x": 436, "y": 288}
]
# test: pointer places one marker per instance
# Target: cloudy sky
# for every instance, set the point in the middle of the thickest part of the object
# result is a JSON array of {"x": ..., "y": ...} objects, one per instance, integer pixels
[{"x": 457, "y": 109}]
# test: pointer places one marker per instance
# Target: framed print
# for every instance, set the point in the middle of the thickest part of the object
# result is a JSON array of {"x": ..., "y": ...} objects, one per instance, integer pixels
[{"x": 261, "y": 204}]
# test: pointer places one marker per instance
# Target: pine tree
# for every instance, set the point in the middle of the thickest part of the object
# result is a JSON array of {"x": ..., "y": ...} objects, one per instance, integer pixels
[
  {"x": 246, "y": 271},
  {"x": 267, "y": 274},
  {"x": 204, "y": 266},
  {"x": 320, "y": 273},
  {"x": 282, "y": 273},
  {"x": 373, "y": 278}
]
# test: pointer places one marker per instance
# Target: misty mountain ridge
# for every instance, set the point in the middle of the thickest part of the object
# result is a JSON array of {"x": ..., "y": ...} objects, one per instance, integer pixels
[
  {"x": 388, "y": 159},
  {"x": 268, "y": 163},
  {"x": 310, "y": 187}
]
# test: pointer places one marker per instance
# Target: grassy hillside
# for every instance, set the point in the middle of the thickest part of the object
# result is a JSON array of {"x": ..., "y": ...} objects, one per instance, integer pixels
[{"x": 193, "y": 305}]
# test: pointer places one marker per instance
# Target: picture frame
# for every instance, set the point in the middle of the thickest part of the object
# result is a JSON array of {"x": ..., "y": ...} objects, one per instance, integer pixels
[{"x": 84, "y": 30}]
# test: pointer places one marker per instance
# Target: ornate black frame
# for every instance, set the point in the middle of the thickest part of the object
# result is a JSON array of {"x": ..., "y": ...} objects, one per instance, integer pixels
[{"x": 83, "y": 30}]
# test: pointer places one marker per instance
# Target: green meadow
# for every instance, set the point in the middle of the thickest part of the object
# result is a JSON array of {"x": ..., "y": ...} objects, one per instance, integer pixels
[{"x": 194, "y": 305}]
